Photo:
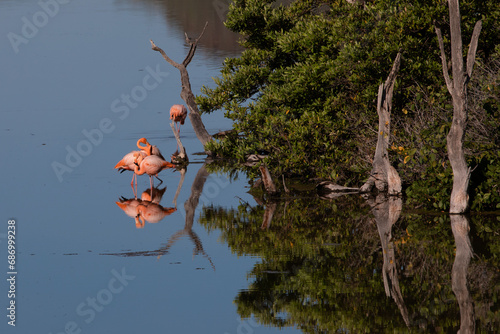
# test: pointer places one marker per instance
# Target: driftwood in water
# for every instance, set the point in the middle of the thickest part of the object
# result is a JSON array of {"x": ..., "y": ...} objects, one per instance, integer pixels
[
  {"x": 253, "y": 159},
  {"x": 329, "y": 190},
  {"x": 384, "y": 176},
  {"x": 459, "y": 201},
  {"x": 186, "y": 92}
]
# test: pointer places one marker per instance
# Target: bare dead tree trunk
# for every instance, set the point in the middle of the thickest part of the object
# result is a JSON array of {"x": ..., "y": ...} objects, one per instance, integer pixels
[
  {"x": 186, "y": 92},
  {"x": 460, "y": 228},
  {"x": 459, "y": 201},
  {"x": 383, "y": 176},
  {"x": 180, "y": 157}
]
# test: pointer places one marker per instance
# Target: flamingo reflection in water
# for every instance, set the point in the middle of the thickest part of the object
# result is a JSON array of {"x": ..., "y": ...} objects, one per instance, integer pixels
[
  {"x": 157, "y": 195},
  {"x": 190, "y": 207},
  {"x": 143, "y": 210}
]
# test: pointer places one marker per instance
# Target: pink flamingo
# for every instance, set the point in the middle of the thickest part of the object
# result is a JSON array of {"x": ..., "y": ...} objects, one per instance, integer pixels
[
  {"x": 150, "y": 165},
  {"x": 127, "y": 162},
  {"x": 149, "y": 149},
  {"x": 178, "y": 114},
  {"x": 152, "y": 212},
  {"x": 157, "y": 195}
]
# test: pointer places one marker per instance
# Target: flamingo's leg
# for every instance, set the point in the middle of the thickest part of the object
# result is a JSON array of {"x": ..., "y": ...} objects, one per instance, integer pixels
[
  {"x": 151, "y": 184},
  {"x": 132, "y": 185}
]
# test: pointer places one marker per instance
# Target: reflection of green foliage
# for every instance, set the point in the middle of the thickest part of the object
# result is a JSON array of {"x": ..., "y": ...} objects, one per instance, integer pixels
[{"x": 321, "y": 267}]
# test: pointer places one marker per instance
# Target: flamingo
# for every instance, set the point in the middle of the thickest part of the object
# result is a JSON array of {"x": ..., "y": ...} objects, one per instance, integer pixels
[
  {"x": 150, "y": 165},
  {"x": 178, "y": 114},
  {"x": 149, "y": 149},
  {"x": 129, "y": 206},
  {"x": 143, "y": 210},
  {"x": 127, "y": 162},
  {"x": 157, "y": 195},
  {"x": 152, "y": 212}
]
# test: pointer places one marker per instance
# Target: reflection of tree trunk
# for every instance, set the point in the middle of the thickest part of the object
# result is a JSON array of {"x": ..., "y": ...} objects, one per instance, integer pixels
[
  {"x": 460, "y": 228},
  {"x": 190, "y": 207},
  {"x": 384, "y": 176},
  {"x": 386, "y": 212},
  {"x": 268, "y": 215},
  {"x": 193, "y": 200},
  {"x": 179, "y": 187}
]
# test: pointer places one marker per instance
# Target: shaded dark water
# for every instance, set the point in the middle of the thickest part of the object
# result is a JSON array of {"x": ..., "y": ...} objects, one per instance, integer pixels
[{"x": 79, "y": 86}]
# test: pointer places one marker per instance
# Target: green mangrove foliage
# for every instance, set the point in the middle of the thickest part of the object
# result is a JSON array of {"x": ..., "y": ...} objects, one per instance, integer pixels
[
  {"x": 305, "y": 90},
  {"x": 321, "y": 267}
]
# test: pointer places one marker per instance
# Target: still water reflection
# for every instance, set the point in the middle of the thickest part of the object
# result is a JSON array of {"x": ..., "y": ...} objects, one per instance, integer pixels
[
  {"x": 145, "y": 209},
  {"x": 153, "y": 212},
  {"x": 357, "y": 265},
  {"x": 189, "y": 16}
]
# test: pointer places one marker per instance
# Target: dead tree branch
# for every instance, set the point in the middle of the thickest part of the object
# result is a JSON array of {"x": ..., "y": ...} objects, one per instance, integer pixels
[
  {"x": 383, "y": 176},
  {"x": 186, "y": 92},
  {"x": 457, "y": 86},
  {"x": 180, "y": 156}
]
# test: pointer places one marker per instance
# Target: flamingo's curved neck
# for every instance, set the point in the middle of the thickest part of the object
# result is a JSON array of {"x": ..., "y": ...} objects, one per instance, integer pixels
[
  {"x": 138, "y": 162},
  {"x": 147, "y": 148}
]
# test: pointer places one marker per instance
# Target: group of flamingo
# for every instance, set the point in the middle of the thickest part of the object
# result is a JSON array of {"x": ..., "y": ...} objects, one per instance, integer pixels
[{"x": 149, "y": 160}]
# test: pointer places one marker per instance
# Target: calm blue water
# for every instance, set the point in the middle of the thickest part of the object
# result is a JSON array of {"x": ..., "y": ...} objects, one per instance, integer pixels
[{"x": 80, "y": 84}]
